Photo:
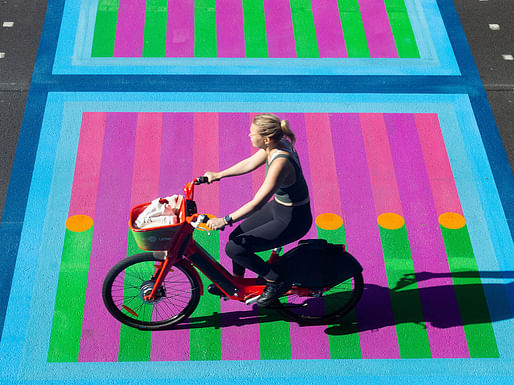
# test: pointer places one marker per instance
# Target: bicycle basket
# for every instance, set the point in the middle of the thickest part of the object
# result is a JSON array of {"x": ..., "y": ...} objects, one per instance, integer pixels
[{"x": 156, "y": 238}]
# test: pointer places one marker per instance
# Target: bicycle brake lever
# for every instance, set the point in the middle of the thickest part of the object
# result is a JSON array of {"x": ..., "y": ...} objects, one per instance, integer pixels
[{"x": 201, "y": 219}]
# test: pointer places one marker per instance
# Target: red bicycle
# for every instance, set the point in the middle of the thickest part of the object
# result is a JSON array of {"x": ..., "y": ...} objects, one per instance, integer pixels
[{"x": 159, "y": 289}]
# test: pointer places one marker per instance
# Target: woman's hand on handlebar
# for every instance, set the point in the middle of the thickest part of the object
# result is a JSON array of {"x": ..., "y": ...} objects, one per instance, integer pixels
[
  {"x": 216, "y": 223},
  {"x": 212, "y": 176}
]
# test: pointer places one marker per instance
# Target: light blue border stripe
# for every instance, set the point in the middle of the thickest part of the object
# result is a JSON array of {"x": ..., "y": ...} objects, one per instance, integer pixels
[
  {"x": 495, "y": 288},
  {"x": 437, "y": 57},
  {"x": 55, "y": 184},
  {"x": 53, "y": 237}
]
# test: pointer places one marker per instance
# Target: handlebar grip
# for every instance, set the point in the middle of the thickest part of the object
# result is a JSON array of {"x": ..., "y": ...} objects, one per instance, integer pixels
[{"x": 201, "y": 180}]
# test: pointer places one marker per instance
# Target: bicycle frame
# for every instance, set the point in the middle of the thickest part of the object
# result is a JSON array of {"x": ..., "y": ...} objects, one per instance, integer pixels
[{"x": 184, "y": 246}]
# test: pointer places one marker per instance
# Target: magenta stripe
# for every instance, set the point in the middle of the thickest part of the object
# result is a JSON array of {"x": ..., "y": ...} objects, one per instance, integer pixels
[
  {"x": 239, "y": 341},
  {"x": 100, "y": 331},
  {"x": 147, "y": 155},
  {"x": 363, "y": 239},
  {"x": 180, "y": 40},
  {"x": 380, "y": 163},
  {"x": 230, "y": 28},
  {"x": 206, "y": 158},
  {"x": 378, "y": 30},
  {"x": 279, "y": 29},
  {"x": 440, "y": 308},
  {"x": 130, "y": 28},
  {"x": 87, "y": 165},
  {"x": 306, "y": 342},
  {"x": 176, "y": 152},
  {"x": 175, "y": 171},
  {"x": 329, "y": 31},
  {"x": 444, "y": 190}
]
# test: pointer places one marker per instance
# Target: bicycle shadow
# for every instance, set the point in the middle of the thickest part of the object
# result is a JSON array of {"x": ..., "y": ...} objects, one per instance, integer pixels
[
  {"x": 233, "y": 318},
  {"x": 375, "y": 306},
  {"x": 440, "y": 308}
]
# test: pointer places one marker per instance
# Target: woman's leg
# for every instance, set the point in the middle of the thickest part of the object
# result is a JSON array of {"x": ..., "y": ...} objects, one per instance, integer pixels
[
  {"x": 257, "y": 219},
  {"x": 275, "y": 226}
]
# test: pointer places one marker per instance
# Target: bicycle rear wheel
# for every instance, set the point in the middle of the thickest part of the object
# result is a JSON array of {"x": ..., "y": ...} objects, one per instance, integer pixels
[
  {"x": 130, "y": 280},
  {"x": 327, "y": 306}
]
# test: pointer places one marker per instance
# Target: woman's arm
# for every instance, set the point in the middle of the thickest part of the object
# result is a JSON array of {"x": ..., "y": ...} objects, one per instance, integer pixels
[
  {"x": 243, "y": 167},
  {"x": 277, "y": 173}
]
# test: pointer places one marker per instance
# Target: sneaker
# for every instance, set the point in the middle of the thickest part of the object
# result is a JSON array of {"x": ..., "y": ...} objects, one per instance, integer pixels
[
  {"x": 273, "y": 291},
  {"x": 215, "y": 290}
]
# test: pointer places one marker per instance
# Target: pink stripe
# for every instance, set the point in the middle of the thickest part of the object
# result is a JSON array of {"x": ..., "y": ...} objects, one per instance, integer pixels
[
  {"x": 100, "y": 331},
  {"x": 438, "y": 299},
  {"x": 279, "y": 29},
  {"x": 329, "y": 31},
  {"x": 87, "y": 166},
  {"x": 363, "y": 238},
  {"x": 176, "y": 166},
  {"x": 257, "y": 175},
  {"x": 444, "y": 190},
  {"x": 239, "y": 341},
  {"x": 380, "y": 163},
  {"x": 324, "y": 174},
  {"x": 378, "y": 30},
  {"x": 147, "y": 155},
  {"x": 306, "y": 342},
  {"x": 180, "y": 40},
  {"x": 206, "y": 158},
  {"x": 230, "y": 28},
  {"x": 130, "y": 28}
]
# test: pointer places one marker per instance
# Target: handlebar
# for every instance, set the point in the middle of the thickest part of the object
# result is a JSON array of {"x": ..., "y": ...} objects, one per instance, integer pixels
[
  {"x": 201, "y": 180},
  {"x": 189, "y": 189}
]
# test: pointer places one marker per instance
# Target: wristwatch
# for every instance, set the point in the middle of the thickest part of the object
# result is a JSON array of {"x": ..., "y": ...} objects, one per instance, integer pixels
[{"x": 228, "y": 219}]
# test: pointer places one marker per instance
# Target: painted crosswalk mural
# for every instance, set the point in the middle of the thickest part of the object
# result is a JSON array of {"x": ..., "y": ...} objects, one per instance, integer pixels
[{"x": 131, "y": 99}]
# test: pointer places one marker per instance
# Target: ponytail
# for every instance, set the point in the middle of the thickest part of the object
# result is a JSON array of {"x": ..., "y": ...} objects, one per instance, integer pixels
[
  {"x": 286, "y": 130},
  {"x": 270, "y": 126}
]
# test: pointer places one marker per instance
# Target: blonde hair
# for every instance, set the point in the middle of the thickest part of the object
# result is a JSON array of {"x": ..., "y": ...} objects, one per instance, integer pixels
[{"x": 270, "y": 126}]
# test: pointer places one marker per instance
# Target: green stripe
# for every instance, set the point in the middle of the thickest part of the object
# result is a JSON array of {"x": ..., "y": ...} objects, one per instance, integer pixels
[
  {"x": 255, "y": 29},
  {"x": 135, "y": 344},
  {"x": 205, "y": 335},
  {"x": 274, "y": 336},
  {"x": 343, "y": 339},
  {"x": 407, "y": 310},
  {"x": 156, "y": 18},
  {"x": 304, "y": 32},
  {"x": 105, "y": 28},
  {"x": 402, "y": 29},
  {"x": 353, "y": 28},
  {"x": 205, "y": 28},
  {"x": 70, "y": 297},
  {"x": 470, "y": 294}
]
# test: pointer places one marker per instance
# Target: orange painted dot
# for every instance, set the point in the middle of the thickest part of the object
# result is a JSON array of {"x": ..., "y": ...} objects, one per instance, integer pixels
[
  {"x": 79, "y": 223},
  {"x": 452, "y": 221},
  {"x": 391, "y": 221},
  {"x": 329, "y": 221}
]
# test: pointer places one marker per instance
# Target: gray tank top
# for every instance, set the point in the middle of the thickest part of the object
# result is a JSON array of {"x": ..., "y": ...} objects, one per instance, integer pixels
[{"x": 297, "y": 193}]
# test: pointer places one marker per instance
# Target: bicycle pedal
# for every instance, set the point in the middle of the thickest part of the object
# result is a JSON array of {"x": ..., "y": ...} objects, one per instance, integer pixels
[{"x": 251, "y": 301}]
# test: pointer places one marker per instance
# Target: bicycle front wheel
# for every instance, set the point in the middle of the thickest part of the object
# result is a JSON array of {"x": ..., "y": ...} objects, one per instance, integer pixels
[
  {"x": 127, "y": 283},
  {"x": 323, "y": 307}
]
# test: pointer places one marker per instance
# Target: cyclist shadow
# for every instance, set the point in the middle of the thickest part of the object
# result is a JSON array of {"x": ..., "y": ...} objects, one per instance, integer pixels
[{"x": 439, "y": 309}]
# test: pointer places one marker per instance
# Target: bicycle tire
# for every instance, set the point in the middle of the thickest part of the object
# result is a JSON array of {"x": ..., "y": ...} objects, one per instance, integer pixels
[
  {"x": 330, "y": 306},
  {"x": 123, "y": 298}
]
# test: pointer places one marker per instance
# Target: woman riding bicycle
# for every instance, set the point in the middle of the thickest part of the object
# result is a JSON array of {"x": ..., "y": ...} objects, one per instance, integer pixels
[{"x": 269, "y": 223}]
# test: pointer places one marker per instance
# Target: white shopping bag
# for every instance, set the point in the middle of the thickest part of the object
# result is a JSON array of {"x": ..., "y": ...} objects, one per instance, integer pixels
[{"x": 160, "y": 212}]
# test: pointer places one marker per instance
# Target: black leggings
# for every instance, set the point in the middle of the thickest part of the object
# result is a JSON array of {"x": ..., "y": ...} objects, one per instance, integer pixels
[{"x": 273, "y": 226}]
